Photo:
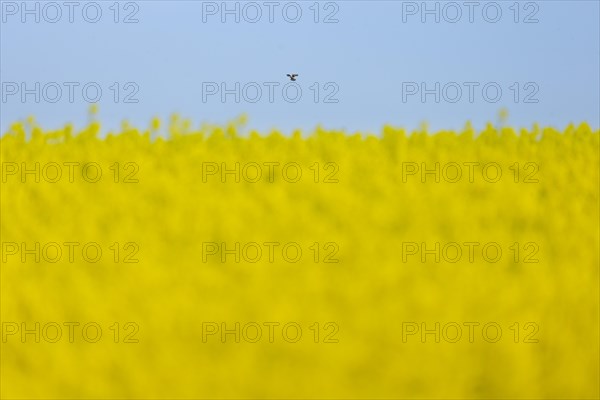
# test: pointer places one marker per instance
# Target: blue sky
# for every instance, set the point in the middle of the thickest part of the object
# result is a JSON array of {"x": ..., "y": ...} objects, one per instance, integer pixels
[{"x": 369, "y": 68}]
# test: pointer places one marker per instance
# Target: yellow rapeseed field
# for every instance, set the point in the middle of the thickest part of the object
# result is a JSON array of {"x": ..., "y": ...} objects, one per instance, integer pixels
[{"x": 208, "y": 264}]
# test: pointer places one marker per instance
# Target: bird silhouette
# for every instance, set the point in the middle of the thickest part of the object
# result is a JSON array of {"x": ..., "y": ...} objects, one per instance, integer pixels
[{"x": 292, "y": 76}]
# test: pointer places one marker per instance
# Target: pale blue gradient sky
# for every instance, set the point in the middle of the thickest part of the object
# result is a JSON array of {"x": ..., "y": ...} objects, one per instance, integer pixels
[{"x": 369, "y": 53}]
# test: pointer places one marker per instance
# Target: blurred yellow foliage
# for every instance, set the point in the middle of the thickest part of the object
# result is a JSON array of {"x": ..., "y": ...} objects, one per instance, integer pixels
[{"x": 364, "y": 200}]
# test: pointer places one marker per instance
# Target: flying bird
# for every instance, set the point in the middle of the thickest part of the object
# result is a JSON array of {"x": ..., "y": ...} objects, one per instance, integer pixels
[{"x": 292, "y": 77}]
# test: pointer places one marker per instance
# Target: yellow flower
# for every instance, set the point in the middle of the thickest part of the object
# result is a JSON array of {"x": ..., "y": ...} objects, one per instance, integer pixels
[{"x": 413, "y": 249}]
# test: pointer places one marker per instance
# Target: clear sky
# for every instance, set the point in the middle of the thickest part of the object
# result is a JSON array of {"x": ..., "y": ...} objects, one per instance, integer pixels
[{"x": 362, "y": 64}]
